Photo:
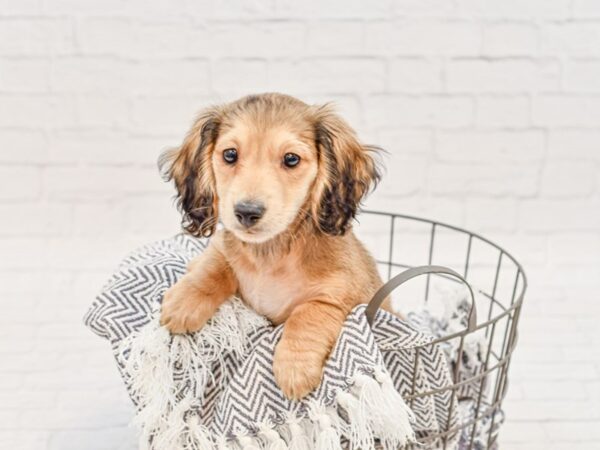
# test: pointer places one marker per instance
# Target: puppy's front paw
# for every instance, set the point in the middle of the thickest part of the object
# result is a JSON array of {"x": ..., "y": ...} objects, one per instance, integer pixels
[
  {"x": 185, "y": 309},
  {"x": 297, "y": 372}
]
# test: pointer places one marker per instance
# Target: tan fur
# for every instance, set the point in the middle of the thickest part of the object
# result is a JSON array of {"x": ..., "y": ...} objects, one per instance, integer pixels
[{"x": 301, "y": 264}]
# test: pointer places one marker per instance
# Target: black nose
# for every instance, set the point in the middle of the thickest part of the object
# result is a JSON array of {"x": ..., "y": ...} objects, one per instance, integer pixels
[{"x": 248, "y": 212}]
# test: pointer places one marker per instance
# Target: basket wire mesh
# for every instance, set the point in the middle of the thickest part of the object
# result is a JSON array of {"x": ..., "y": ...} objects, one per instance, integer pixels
[{"x": 500, "y": 284}]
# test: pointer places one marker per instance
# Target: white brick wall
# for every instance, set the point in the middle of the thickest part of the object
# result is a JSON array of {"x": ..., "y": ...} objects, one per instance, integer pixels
[{"x": 490, "y": 111}]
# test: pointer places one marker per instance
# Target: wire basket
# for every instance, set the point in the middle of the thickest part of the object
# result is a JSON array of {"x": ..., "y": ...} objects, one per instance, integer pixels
[{"x": 405, "y": 247}]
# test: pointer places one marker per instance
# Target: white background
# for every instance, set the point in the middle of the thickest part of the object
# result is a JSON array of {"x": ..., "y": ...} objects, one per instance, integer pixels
[{"x": 490, "y": 111}]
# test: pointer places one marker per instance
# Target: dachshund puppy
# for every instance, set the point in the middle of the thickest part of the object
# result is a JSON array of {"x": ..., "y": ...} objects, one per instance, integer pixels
[{"x": 285, "y": 179}]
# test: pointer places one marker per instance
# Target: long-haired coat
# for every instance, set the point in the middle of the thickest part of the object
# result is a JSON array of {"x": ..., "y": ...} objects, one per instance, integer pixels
[{"x": 285, "y": 179}]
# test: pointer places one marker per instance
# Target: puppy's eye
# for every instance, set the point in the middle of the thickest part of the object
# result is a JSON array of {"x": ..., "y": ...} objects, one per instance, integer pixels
[
  {"x": 291, "y": 159},
  {"x": 230, "y": 155}
]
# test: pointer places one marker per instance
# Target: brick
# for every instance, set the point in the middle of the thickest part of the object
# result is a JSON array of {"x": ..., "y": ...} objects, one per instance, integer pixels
[
  {"x": 19, "y": 183},
  {"x": 167, "y": 115},
  {"x": 424, "y": 37},
  {"x": 566, "y": 111},
  {"x": 514, "y": 76},
  {"x": 510, "y": 39},
  {"x": 554, "y": 372},
  {"x": 569, "y": 179},
  {"x": 406, "y": 141},
  {"x": 25, "y": 7},
  {"x": 24, "y": 145},
  {"x": 36, "y": 36},
  {"x": 121, "y": 437},
  {"x": 568, "y": 431},
  {"x": 74, "y": 6},
  {"x": 559, "y": 215},
  {"x": 156, "y": 39},
  {"x": 74, "y": 253},
  {"x": 101, "y": 146},
  {"x": 408, "y": 177},
  {"x": 91, "y": 75},
  {"x": 45, "y": 111},
  {"x": 34, "y": 282},
  {"x": 551, "y": 411},
  {"x": 34, "y": 219},
  {"x": 491, "y": 147},
  {"x": 515, "y": 9},
  {"x": 576, "y": 39},
  {"x": 152, "y": 214},
  {"x": 103, "y": 111},
  {"x": 239, "y": 77},
  {"x": 582, "y": 76},
  {"x": 266, "y": 39},
  {"x": 574, "y": 145},
  {"x": 105, "y": 35},
  {"x": 100, "y": 182},
  {"x": 529, "y": 250},
  {"x": 586, "y": 9},
  {"x": 24, "y": 440},
  {"x": 326, "y": 75},
  {"x": 449, "y": 211},
  {"x": 522, "y": 432},
  {"x": 348, "y": 106},
  {"x": 425, "y": 7},
  {"x": 22, "y": 253},
  {"x": 334, "y": 37},
  {"x": 580, "y": 248},
  {"x": 191, "y": 76},
  {"x": 491, "y": 215},
  {"x": 336, "y": 9},
  {"x": 235, "y": 10},
  {"x": 408, "y": 111},
  {"x": 98, "y": 218},
  {"x": 24, "y": 75},
  {"x": 501, "y": 111},
  {"x": 415, "y": 76},
  {"x": 492, "y": 180}
]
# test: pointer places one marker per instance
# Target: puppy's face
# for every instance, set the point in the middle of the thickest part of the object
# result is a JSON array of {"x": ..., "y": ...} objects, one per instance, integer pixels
[
  {"x": 263, "y": 177},
  {"x": 261, "y": 162}
]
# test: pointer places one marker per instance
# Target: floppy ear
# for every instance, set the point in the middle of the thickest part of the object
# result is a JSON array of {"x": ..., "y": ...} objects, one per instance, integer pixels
[
  {"x": 189, "y": 166},
  {"x": 347, "y": 171}
]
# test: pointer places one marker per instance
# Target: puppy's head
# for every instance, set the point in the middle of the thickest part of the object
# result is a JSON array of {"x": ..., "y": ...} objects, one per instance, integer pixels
[{"x": 265, "y": 161}]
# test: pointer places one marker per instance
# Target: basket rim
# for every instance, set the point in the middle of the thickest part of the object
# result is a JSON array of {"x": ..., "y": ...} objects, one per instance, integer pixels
[{"x": 520, "y": 271}]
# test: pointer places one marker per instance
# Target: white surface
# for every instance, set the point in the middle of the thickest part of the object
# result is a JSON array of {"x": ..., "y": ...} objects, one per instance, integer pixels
[{"x": 489, "y": 109}]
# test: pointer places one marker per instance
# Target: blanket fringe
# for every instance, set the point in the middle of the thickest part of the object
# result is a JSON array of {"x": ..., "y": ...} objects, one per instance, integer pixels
[
  {"x": 272, "y": 437},
  {"x": 376, "y": 410},
  {"x": 327, "y": 436},
  {"x": 296, "y": 434},
  {"x": 156, "y": 365},
  {"x": 198, "y": 436},
  {"x": 248, "y": 443},
  {"x": 168, "y": 374}
]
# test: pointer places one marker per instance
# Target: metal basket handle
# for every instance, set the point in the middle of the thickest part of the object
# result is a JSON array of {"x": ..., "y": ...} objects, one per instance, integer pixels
[{"x": 413, "y": 272}]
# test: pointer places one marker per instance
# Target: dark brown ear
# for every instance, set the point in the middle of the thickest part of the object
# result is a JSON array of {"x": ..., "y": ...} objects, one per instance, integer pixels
[
  {"x": 347, "y": 171},
  {"x": 189, "y": 166}
]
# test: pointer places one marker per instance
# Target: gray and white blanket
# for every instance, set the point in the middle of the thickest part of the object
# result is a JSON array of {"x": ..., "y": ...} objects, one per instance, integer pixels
[{"x": 215, "y": 389}]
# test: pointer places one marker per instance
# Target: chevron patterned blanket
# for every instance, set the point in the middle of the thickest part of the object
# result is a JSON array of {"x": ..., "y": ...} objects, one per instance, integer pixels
[{"x": 215, "y": 389}]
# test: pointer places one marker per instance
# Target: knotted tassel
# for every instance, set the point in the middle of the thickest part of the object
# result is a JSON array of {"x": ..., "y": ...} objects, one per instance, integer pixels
[
  {"x": 397, "y": 416},
  {"x": 198, "y": 435},
  {"x": 248, "y": 443},
  {"x": 298, "y": 438},
  {"x": 329, "y": 438},
  {"x": 274, "y": 440},
  {"x": 222, "y": 443},
  {"x": 173, "y": 427},
  {"x": 360, "y": 432}
]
